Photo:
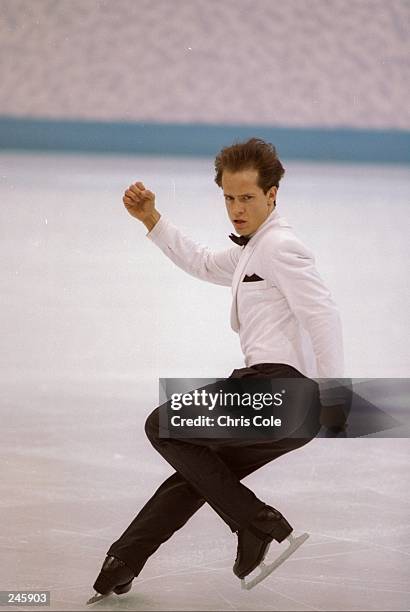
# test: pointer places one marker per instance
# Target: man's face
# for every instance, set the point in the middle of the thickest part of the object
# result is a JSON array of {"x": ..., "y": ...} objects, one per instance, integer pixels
[{"x": 248, "y": 207}]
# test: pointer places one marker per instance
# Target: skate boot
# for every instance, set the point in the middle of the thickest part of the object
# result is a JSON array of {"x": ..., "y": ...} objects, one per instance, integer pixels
[
  {"x": 115, "y": 576},
  {"x": 254, "y": 541}
]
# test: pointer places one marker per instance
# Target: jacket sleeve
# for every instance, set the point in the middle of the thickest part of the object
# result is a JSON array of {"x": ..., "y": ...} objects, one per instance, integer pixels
[
  {"x": 290, "y": 265},
  {"x": 199, "y": 261}
]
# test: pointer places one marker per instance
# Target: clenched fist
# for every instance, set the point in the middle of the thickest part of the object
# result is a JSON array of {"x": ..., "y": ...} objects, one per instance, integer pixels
[{"x": 140, "y": 203}]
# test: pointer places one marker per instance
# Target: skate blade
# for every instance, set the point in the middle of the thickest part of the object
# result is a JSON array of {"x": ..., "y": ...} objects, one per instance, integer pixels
[
  {"x": 95, "y": 598},
  {"x": 266, "y": 570}
]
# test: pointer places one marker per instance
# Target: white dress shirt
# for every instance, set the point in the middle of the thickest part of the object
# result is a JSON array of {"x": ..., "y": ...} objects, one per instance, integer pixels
[{"x": 287, "y": 317}]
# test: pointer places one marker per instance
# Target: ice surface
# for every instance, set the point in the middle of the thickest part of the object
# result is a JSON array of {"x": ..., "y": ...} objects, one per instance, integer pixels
[{"x": 93, "y": 315}]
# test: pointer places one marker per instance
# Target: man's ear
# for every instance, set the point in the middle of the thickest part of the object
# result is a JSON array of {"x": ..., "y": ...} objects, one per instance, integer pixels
[{"x": 272, "y": 196}]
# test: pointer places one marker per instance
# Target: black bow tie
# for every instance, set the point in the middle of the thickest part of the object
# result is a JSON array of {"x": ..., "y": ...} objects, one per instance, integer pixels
[{"x": 241, "y": 240}]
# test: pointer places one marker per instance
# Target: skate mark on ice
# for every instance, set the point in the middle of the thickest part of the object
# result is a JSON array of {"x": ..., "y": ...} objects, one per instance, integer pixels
[
  {"x": 371, "y": 544},
  {"x": 297, "y": 601},
  {"x": 331, "y": 555},
  {"x": 182, "y": 572},
  {"x": 398, "y": 550},
  {"x": 226, "y": 600},
  {"x": 342, "y": 582}
]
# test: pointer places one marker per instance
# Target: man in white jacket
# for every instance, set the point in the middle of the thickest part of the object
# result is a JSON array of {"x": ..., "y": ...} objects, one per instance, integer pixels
[{"x": 289, "y": 327}]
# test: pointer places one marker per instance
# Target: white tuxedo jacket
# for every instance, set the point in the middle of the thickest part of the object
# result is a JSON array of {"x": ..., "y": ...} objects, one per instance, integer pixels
[{"x": 286, "y": 317}]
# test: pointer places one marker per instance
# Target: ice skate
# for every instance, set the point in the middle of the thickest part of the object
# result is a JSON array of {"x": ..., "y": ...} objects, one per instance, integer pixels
[
  {"x": 254, "y": 540},
  {"x": 95, "y": 598},
  {"x": 267, "y": 569},
  {"x": 115, "y": 576}
]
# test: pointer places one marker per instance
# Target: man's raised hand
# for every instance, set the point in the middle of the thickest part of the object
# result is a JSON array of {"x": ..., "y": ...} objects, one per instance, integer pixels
[{"x": 139, "y": 202}]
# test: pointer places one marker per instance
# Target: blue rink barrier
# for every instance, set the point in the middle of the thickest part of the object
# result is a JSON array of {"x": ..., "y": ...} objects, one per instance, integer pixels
[{"x": 323, "y": 144}]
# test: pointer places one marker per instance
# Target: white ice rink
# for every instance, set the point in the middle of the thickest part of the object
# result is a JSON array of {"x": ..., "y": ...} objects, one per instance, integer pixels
[{"x": 93, "y": 314}]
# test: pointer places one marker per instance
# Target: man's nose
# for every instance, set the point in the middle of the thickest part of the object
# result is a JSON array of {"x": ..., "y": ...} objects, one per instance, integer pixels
[{"x": 237, "y": 207}]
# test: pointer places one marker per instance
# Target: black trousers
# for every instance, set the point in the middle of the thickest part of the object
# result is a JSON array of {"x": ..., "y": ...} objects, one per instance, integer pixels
[{"x": 207, "y": 470}]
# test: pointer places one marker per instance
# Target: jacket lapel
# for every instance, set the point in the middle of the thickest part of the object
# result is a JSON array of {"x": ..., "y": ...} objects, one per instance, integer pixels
[
  {"x": 274, "y": 220},
  {"x": 237, "y": 277}
]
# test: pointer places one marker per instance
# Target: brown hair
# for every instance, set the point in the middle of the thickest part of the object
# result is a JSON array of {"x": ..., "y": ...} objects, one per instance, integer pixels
[{"x": 254, "y": 154}]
